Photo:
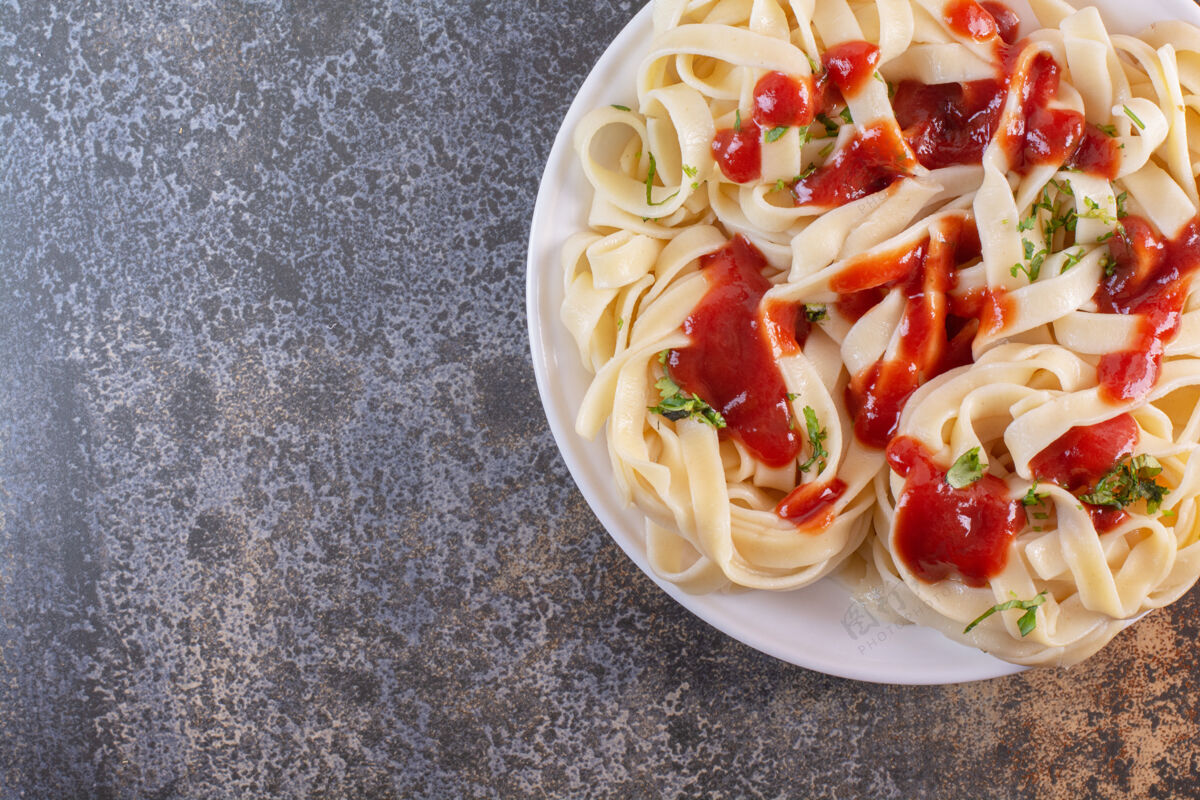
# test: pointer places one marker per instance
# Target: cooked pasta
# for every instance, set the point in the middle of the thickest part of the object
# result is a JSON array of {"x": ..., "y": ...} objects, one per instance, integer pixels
[{"x": 902, "y": 288}]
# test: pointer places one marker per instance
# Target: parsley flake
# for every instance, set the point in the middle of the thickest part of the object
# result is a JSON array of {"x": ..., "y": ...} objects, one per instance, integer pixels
[
  {"x": 815, "y": 312},
  {"x": 966, "y": 470},
  {"x": 620, "y": 107},
  {"x": 677, "y": 404},
  {"x": 1028, "y": 620},
  {"x": 816, "y": 440},
  {"x": 1129, "y": 113},
  {"x": 776, "y": 132},
  {"x": 650, "y": 173},
  {"x": 831, "y": 127},
  {"x": 1129, "y": 481}
]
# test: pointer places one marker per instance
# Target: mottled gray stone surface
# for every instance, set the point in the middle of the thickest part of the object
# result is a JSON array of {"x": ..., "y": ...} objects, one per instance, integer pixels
[{"x": 281, "y": 516}]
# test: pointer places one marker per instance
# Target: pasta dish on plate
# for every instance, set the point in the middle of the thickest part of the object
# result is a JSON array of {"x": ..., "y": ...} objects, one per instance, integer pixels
[{"x": 901, "y": 290}]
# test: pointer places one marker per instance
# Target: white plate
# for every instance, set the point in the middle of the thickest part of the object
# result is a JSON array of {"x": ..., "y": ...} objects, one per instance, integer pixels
[{"x": 818, "y": 627}]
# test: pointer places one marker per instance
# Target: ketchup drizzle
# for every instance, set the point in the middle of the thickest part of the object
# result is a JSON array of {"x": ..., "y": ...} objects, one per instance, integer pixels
[
  {"x": 932, "y": 339},
  {"x": 729, "y": 363},
  {"x": 811, "y": 506},
  {"x": 871, "y": 161},
  {"x": 738, "y": 152},
  {"x": 1082, "y": 456},
  {"x": 781, "y": 99},
  {"x": 1150, "y": 277},
  {"x": 940, "y": 532},
  {"x": 970, "y": 19},
  {"x": 849, "y": 66}
]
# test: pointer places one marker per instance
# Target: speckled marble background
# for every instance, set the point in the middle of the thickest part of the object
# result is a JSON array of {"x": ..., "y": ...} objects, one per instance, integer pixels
[{"x": 279, "y": 512}]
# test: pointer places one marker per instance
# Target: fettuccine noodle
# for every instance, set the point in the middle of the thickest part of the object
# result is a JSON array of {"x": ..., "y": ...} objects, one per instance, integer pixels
[{"x": 890, "y": 289}]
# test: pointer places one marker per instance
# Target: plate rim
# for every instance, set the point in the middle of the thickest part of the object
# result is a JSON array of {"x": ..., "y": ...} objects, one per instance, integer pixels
[{"x": 708, "y": 608}]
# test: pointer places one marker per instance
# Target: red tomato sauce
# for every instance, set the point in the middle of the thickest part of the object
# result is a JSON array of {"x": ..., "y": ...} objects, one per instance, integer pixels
[
  {"x": 1007, "y": 21},
  {"x": 849, "y": 66},
  {"x": 1150, "y": 278},
  {"x": 940, "y": 532},
  {"x": 932, "y": 339},
  {"x": 970, "y": 19},
  {"x": 781, "y": 99},
  {"x": 811, "y": 506},
  {"x": 949, "y": 123},
  {"x": 1083, "y": 455},
  {"x": 870, "y": 162},
  {"x": 787, "y": 326},
  {"x": 729, "y": 363},
  {"x": 738, "y": 152},
  {"x": 1097, "y": 154}
]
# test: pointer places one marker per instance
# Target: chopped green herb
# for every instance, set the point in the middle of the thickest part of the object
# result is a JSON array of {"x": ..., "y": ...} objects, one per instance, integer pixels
[
  {"x": 966, "y": 469},
  {"x": 1026, "y": 224},
  {"x": 1034, "y": 267},
  {"x": 1045, "y": 202},
  {"x": 690, "y": 171},
  {"x": 826, "y": 150},
  {"x": 1041, "y": 515},
  {"x": 774, "y": 134},
  {"x": 677, "y": 404},
  {"x": 1072, "y": 259},
  {"x": 1129, "y": 113},
  {"x": 879, "y": 77},
  {"x": 1109, "y": 264},
  {"x": 1028, "y": 620},
  {"x": 663, "y": 355},
  {"x": 812, "y": 63},
  {"x": 1064, "y": 188},
  {"x": 792, "y": 396},
  {"x": 620, "y": 108},
  {"x": 1032, "y": 498},
  {"x": 1130, "y": 481},
  {"x": 831, "y": 127},
  {"x": 846, "y": 116},
  {"x": 1121, "y": 198},
  {"x": 1111, "y": 130},
  {"x": 737, "y": 121},
  {"x": 650, "y": 173},
  {"x": 809, "y": 170},
  {"x": 815, "y": 312},
  {"x": 1095, "y": 211},
  {"x": 780, "y": 185},
  {"x": 816, "y": 440},
  {"x": 620, "y": 323}
]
